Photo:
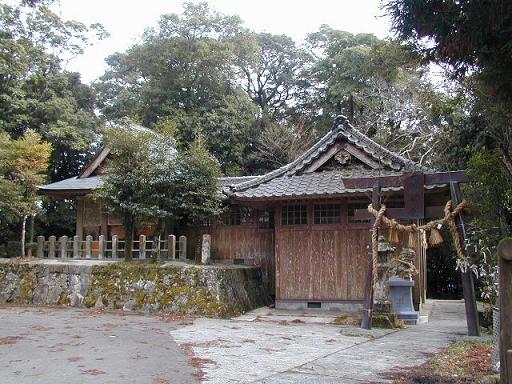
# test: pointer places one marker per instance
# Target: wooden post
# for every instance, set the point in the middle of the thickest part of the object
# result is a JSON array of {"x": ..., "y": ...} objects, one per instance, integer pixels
[
  {"x": 205, "y": 249},
  {"x": 366, "y": 322},
  {"x": 468, "y": 286},
  {"x": 182, "y": 248},
  {"x": 114, "y": 246},
  {"x": 171, "y": 247},
  {"x": 63, "y": 242},
  {"x": 76, "y": 247},
  {"x": 40, "y": 247},
  {"x": 505, "y": 302},
  {"x": 51, "y": 247},
  {"x": 101, "y": 247},
  {"x": 142, "y": 247},
  {"x": 88, "y": 246}
]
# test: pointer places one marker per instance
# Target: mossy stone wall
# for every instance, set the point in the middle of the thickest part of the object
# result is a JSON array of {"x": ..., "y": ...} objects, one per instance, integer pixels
[{"x": 184, "y": 289}]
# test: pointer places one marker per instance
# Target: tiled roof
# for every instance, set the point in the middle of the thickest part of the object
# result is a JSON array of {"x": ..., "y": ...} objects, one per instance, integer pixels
[
  {"x": 87, "y": 184},
  {"x": 73, "y": 184},
  {"x": 290, "y": 181}
]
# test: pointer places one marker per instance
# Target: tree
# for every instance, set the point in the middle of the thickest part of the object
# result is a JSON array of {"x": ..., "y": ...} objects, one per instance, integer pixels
[
  {"x": 380, "y": 86},
  {"x": 272, "y": 69},
  {"x": 149, "y": 181},
  {"x": 37, "y": 94},
  {"x": 473, "y": 39},
  {"x": 189, "y": 80},
  {"x": 23, "y": 166},
  {"x": 280, "y": 144}
]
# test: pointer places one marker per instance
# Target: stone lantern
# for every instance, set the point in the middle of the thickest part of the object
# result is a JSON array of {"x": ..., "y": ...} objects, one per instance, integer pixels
[
  {"x": 400, "y": 286},
  {"x": 382, "y": 298}
]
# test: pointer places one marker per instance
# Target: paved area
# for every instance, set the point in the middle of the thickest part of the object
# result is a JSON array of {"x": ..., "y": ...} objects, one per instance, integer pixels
[
  {"x": 45, "y": 345},
  {"x": 245, "y": 351},
  {"x": 54, "y": 345}
]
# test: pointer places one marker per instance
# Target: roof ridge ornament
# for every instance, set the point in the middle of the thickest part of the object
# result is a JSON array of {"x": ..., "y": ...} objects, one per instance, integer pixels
[{"x": 340, "y": 119}]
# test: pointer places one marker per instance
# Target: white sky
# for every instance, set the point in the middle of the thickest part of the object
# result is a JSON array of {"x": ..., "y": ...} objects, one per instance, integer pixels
[{"x": 126, "y": 20}]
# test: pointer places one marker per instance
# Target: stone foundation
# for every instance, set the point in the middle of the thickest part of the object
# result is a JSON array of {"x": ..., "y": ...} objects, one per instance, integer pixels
[{"x": 180, "y": 288}]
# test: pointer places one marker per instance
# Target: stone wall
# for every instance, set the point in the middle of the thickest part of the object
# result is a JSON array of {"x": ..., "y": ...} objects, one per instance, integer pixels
[{"x": 184, "y": 289}]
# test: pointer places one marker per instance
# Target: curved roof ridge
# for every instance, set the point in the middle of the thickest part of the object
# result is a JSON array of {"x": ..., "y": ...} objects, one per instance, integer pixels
[{"x": 341, "y": 128}]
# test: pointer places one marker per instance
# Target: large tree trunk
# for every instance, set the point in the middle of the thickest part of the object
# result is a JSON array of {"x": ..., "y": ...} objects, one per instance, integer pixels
[
  {"x": 23, "y": 233},
  {"x": 128, "y": 236}
]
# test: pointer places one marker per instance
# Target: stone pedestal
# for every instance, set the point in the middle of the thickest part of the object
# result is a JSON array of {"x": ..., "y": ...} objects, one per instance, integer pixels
[
  {"x": 401, "y": 299},
  {"x": 381, "y": 296}
]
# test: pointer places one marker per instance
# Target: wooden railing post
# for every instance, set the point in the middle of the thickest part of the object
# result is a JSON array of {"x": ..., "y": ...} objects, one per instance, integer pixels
[
  {"x": 101, "y": 247},
  {"x": 205, "y": 249},
  {"x": 182, "y": 248},
  {"x": 142, "y": 247},
  {"x": 171, "y": 247},
  {"x": 76, "y": 247},
  {"x": 63, "y": 242},
  {"x": 505, "y": 301},
  {"x": 51, "y": 247},
  {"x": 40, "y": 246},
  {"x": 88, "y": 246},
  {"x": 114, "y": 246}
]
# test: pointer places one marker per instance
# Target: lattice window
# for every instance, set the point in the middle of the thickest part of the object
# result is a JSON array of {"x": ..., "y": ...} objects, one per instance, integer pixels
[
  {"x": 327, "y": 214},
  {"x": 239, "y": 216},
  {"x": 294, "y": 215},
  {"x": 352, "y": 206},
  {"x": 265, "y": 219}
]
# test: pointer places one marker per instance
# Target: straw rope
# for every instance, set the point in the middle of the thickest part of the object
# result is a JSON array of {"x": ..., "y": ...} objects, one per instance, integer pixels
[{"x": 382, "y": 221}]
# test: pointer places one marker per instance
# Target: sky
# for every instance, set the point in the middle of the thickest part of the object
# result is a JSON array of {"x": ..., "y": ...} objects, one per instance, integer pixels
[{"x": 126, "y": 21}]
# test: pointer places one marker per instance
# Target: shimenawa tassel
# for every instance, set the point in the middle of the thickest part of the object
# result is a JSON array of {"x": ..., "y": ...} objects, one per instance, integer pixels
[
  {"x": 393, "y": 236},
  {"x": 435, "y": 237},
  {"x": 412, "y": 242}
]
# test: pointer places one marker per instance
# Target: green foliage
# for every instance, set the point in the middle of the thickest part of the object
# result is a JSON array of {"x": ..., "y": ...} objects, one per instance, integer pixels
[
  {"x": 23, "y": 166},
  {"x": 189, "y": 80},
  {"x": 150, "y": 181},
  {"x": 490, "y": 196}
]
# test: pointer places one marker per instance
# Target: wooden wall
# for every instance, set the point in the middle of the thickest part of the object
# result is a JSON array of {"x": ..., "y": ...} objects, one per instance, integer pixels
[
  {"x": 247, "y": 242},
  {"x": 321, "y": 262}
]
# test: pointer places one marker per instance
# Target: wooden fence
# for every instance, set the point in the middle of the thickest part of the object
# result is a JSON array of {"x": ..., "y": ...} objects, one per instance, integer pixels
[{"x": 171, "y": 248}]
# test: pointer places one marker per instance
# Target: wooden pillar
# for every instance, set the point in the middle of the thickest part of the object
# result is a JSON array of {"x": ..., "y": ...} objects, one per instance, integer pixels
[
  {"x": 468, "y": 286},
  {"x": 142, "y": 247},
  {"x": 183, "y": 248},
  {"x": 63, "y": 245},
  {"x": 40, "y": 247},
  {"x": 171, "y": 247},
  {"x": 88, "y": 246},
  {"x": 114, "y": 246},
  {"x": 51, "y": 247},
  {"x": 505, "y": 303},
  {"x": 76, "y": 246},
  {"x": 101, "y": 247},
  {"x": 205, "y": 249},
  {"x": 366, "y": 323},
  {"x": 79, "y": 216}
]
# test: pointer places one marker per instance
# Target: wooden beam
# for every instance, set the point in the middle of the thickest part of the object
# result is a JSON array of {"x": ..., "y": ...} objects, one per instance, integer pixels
[
  {"x": 356, "y": 152},
  {"x": 95, "y": 163},
  {"x": 323, "y": 159},
  {"x": 398, "y": 180}
]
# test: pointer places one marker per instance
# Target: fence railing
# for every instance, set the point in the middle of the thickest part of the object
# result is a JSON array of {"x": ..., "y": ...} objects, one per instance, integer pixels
[{"x": 64, "y": 247}]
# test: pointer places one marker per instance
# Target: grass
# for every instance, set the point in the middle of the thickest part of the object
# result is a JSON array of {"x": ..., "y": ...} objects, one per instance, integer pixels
[{"x": 464, "y": 362}]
